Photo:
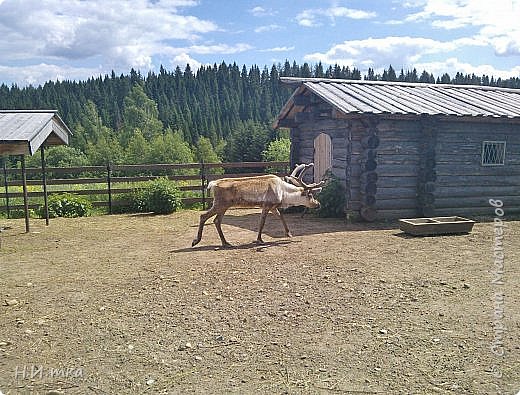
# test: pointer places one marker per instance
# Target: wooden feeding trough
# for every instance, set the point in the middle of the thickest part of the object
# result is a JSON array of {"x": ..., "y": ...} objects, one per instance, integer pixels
[{"x": 436, "y": 225}]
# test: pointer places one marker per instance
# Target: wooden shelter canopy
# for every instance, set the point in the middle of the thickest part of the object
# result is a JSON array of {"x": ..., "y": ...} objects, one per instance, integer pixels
[
  {"x": 22, "y": 132},
  {"x": 350, "y": 98}
]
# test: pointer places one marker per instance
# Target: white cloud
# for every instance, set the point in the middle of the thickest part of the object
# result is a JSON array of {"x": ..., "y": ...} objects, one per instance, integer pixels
[
  {"x": 407, "y": 53},
  {"x": 38, "y": 73},
  {"x": 182, "y": 56},
  {"x": 183, "y": 59},
  {"x": 219, "y": 48},
  {"x": 454, "y": 65},
  {"x": 380, "y": 52},
  {"x": 497, "y": 22},
  {"x": 261, "y": 11},
  {"x": 277, "y": 49},
  {"x": 257, "y": 11},
  {"x": 314, "y": 17},
  {"x": 267, "y": 28},
  {"x": 118, "y": 34},
  {"x": 337, "y": 12}
]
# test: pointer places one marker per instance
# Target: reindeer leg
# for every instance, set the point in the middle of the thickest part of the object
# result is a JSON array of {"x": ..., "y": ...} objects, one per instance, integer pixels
[
  {"x": 277, "y": 212},
  {"x": 265, "y": 211},
  {"x": 203, "y": 218},
  {"x": 218, "y": 223}
]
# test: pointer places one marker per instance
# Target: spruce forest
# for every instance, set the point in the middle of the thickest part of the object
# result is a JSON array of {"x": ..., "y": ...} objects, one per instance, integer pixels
[{"x": 216, "y": 113}]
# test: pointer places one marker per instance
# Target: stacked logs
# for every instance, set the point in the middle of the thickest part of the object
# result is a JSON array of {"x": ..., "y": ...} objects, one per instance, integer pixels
[
  {"x": 368, "y": 178},
  {"x": 348, "y": 167},
  {"x": 427, "y": 173}
]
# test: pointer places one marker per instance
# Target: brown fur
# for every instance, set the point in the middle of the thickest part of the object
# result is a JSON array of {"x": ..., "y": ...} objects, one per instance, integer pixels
[{"x": 267, "y": 192}]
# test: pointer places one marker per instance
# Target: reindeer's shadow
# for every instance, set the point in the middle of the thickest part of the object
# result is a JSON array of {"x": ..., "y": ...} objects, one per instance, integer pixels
[
  {"x": 246, "y": 246},
  {"x": 300, "y": 224}
]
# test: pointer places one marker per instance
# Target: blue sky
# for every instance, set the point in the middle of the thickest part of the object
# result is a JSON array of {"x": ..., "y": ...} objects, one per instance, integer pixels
[{"x": 43, "y": 40}]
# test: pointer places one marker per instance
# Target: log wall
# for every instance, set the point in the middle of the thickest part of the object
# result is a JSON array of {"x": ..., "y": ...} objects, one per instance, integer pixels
[
  {"x": 421, "y": 166},
  {"x": 398, "y": 158},
  {"x": 464, "y": 186}
]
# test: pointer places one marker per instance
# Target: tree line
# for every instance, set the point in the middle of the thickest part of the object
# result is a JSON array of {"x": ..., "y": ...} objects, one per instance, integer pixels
[{"x": 219, "y": 112}]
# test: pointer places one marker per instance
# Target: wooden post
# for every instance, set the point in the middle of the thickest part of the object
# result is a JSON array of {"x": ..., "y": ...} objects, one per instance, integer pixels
[
  {"x": 6, "y": 189},
  {"x": 25, "y": 196},
  {"x": 203, "y": 183},
  {"x": 109, "y": 184},
  {"x": 348, "y": 170},
  {"x": 44, "y": 181}
]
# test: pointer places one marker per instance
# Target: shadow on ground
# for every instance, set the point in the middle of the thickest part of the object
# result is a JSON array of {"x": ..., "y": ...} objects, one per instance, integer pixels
[
  {"x": 299, "y": 225},
  {"x": 247, "y": 246}
]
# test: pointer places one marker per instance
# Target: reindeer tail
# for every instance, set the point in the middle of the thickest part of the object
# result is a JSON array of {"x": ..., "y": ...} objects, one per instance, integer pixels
[{"x": 211, "y": 185}]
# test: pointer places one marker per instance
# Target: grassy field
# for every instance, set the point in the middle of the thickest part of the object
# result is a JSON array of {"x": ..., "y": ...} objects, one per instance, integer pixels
[{"x": 123, "y": 304}]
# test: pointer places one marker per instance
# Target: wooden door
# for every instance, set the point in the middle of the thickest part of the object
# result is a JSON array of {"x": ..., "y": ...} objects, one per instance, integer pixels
[{"x": 322, "y": 156}]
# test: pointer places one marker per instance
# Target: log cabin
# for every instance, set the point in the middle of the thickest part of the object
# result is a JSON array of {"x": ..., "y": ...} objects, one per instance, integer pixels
[{"x": 405, "y": 150}]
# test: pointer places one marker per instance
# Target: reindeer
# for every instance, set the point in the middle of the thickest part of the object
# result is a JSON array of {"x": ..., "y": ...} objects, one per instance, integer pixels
[{"x": 269, "y": 192}]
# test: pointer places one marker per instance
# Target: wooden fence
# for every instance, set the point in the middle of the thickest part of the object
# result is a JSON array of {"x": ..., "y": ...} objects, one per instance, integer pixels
[{"x": 104, "y": 179}]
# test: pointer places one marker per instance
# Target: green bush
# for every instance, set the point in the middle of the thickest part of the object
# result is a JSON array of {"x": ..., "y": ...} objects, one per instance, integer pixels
[
  {"x": 159, "y": 196},
  {"x": 19, "y": 213},
  {"x": 277, "y": 151},
  {"x": 332, "y": 198},
  {"x": 124, "y": 204},
  {"x": 67, "y": 205}
]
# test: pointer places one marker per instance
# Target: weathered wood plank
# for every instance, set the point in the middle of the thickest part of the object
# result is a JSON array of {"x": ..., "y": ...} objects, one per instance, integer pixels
[
  {"x": 476, "y": 190},
  {"x": 395, "y": 127},
  {"x": 390, "y": 182},
  {"x": 148, "y": 167},
  {"x": 397, "y": 149},
  {"x": 61, "y": 170},
  {"x": 390, "y": 194},
  {"x": 470, "y": 180},
  {"x": 474, "y": 158},
  {"x": 396, "y": 204},
  {"x": 115, "y": 191},
  {"x": 185, "y": 201},
  {"x": 301, "y": 100},
  {"x": 451, "y": 170},
  {"x": 65, "y": 181},
  {"x": 404, "y": 160},
  {"x": 313, "y": 124},
  {"x": 392, "y": 170},
  {"x": 396, "y": 214},
  {"x": 473, "y": 212},
  {"x": 452, "y": 129},
  {"x": 479, "y": 201}
]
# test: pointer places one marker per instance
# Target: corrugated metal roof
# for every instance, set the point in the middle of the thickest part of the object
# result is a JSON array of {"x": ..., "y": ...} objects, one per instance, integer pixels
[
  {"x": 24, "y": 131},
  {"x": 378, "y": 97}
]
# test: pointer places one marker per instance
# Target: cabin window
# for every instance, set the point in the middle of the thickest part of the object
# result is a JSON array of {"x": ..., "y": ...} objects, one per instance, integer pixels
[{"x": 493, "y": 153}]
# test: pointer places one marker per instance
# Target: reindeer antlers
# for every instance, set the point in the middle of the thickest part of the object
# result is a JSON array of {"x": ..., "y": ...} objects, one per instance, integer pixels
[
  {"x": 299, "y": 168},
  {"x": 296, "y": 176}
]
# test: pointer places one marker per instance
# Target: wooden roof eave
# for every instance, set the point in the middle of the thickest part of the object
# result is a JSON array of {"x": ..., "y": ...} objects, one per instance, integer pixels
[
  {"x": 52, "y": 132},
  {"x": 50, "y": 129},
  {"x": 14, "y": 147},
  {"x": 288, "y": 107},
  {"x": 338, "y": 114}
]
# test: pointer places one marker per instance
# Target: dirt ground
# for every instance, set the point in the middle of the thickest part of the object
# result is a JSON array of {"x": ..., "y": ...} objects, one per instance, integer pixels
[{"x": 122, "y": 304}]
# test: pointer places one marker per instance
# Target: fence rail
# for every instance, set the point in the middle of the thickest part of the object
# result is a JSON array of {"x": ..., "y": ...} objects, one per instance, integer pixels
[{"x": 197, "y": 175}]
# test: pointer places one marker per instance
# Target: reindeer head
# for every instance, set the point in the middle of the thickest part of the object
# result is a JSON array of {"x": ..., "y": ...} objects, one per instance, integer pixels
[{"x": 308, "y": 190}]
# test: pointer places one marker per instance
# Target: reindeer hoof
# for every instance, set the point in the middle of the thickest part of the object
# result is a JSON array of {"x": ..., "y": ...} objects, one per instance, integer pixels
[
  {"x": 289, "y": 234},
  {"x": 194, "y": 242},
  {"x": 227, "y": 245},
  {"x": 259, "y": 241}
]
